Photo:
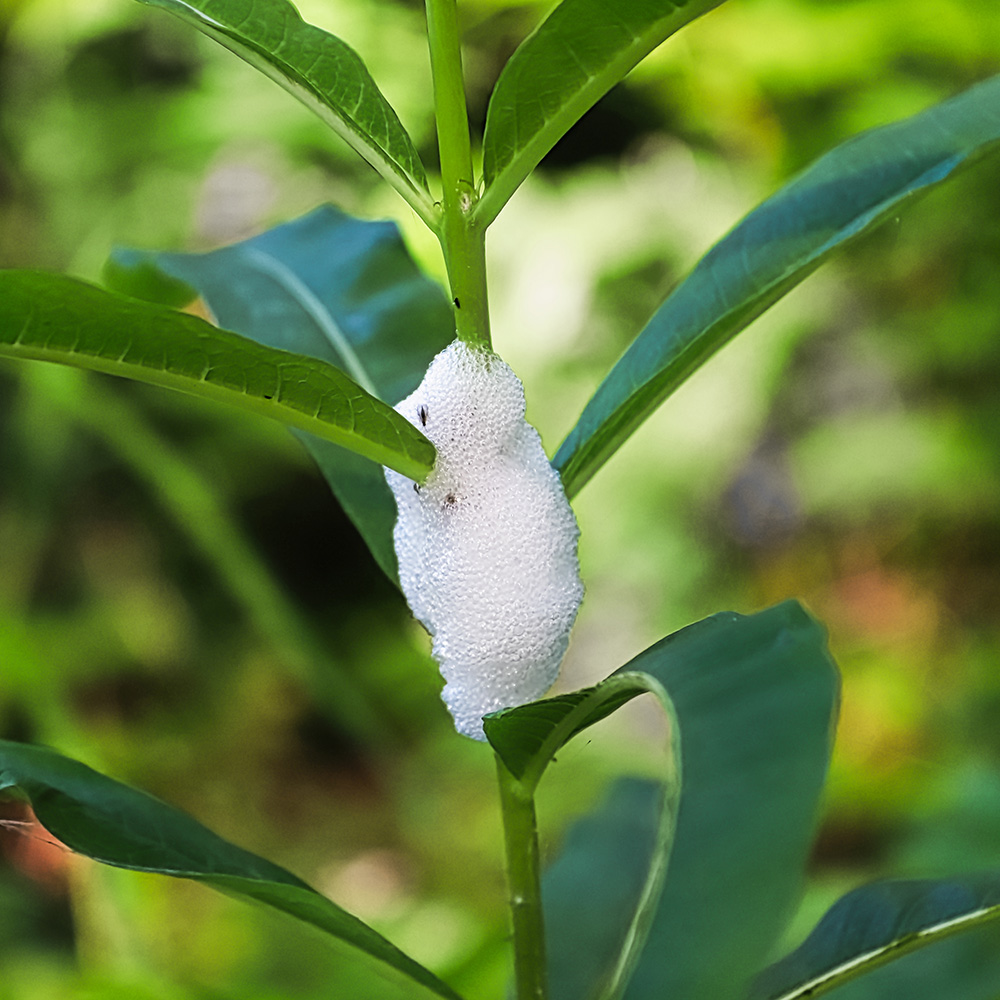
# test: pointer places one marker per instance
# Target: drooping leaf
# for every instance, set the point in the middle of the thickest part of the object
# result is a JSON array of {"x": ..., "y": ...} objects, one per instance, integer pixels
[
  {"x": 333, "y": 287},
  {"x": 51, "y": 317},
  {"x": 754, "y": 699},
  {"x": 842, "y": 195},
  {"x": 121, "y": 826},
  {"x": 883, "y": 923},
  {"x": 324, "y": 73},
  {"x": 574, "y": 57}
]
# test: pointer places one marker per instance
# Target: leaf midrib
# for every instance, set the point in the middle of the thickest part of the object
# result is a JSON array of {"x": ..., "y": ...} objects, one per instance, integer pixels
[{"x": 859, "y": 965}]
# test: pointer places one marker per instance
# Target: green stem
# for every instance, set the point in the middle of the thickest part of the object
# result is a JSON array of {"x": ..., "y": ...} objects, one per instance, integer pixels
[
  {"x": 517, "y": 805},
  {"x": 463, "y": 239}
]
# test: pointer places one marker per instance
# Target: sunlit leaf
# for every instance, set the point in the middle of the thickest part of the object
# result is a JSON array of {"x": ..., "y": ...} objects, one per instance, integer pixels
[
  {"x": 333, "y": 287},
  {"x": 844, "y": 194},
  {"x": 879, "y": 924},
  {"x": 51, "y": 317},
  {"x": 574, "y": 57},
  {"x": 754, "y": 699},
  {"x": 121, "y": 826},
  {"x": 324, "y": 73}
]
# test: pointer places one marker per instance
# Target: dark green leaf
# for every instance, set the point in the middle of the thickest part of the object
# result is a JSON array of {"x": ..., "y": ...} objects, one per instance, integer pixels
[
  {"x": 878, "y": 924},
  {"x": 121, "y": 826},
  {"x": 51, "y": 317},
  {"x": 842, "y": 195},
  {"x": 335, "y": 288},
  {"x": 527, "y": 737},
  {"x": 560, "y": 71},
  {"x": 964, "y": 967},
  {"x": 754, "y": 699},
  {"x": 595, "y": 887},
  {"x": 324, "y": 73}
]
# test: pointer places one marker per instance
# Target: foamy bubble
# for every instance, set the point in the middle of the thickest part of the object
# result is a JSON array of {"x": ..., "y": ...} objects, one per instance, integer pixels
[{"x": 487, "y": 546}]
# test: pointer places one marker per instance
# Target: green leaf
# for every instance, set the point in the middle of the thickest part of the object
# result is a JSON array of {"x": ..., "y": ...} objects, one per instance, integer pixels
[
  {"x": 964, "y": 967},
  {"x": 121, "y": 826},
  {"x": 842, "y": 195},
  {"x": 882, "y": 923},
  {"x": 754, "y": 699},
  {"x": 527, "y": 737},
  {"x": 324, "y": 73},
  {"x": 51, "y": 317},
  {"x": 332, "y": 287},
  {"x": 595, "y": 887},
  {"x": 571, "y": 60}
]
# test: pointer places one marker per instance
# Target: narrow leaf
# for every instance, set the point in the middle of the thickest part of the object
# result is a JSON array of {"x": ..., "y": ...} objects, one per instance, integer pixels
[
  {"x": 878, "y": 924},
  {"x": 333, "y": 287},
  {"x": 121, "y": 826},
  {"x": 574, "y": 57},
  {"x": 324, "y": 73},
  {"x": 51, "y": 317},
  {"x": 963, "y": 967},
  {"x": 844, "y": 194}
]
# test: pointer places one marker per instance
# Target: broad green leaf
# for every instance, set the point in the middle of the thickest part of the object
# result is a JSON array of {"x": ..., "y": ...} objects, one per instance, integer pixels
[
  {"x": 324, "y": 73},
  {"x": 571, "y": 60},
  {"x": 883, "y": 923},
  {"x": 842, "y": 195},
  {"x": 121, "y": 826},
  {"x": 754, "y": 699},
  {"x": 332, "y": 287},
  {"x": 51, "y": 317}
]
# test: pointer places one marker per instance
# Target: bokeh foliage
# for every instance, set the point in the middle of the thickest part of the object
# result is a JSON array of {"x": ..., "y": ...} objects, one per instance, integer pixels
[{"x": 182, "y": 603}]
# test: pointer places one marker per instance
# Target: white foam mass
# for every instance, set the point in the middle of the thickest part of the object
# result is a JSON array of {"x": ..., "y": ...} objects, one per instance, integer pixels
[{"x": 487, "y": 546}]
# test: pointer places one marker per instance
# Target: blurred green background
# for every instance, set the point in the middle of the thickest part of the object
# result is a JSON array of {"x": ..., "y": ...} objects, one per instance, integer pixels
[{"x": 183, "y": 605}]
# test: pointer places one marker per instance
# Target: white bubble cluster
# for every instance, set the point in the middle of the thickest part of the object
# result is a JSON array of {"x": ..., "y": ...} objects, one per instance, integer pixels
[{"x": 487, "y": 546}]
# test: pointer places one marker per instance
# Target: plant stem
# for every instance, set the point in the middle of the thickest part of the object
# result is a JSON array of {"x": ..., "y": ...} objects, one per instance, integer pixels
[
  {"x": 463, "y": 240},
  {"x": 520, "y": 833}
]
